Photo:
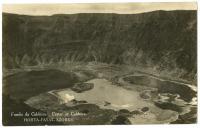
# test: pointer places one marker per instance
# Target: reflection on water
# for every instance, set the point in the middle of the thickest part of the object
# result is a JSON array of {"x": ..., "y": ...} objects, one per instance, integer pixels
[
  {"x": 67, "y": 98},
  {"x": 109, "y": 96},
  {"x": 104, "y": 92}
]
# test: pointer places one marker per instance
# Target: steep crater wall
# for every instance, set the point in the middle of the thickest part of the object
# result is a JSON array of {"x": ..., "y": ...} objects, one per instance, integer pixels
[{"x": 163, "y": 40}]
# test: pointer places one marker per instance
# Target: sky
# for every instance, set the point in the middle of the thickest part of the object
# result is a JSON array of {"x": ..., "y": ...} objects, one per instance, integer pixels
[{"x": 120, "y": 8}]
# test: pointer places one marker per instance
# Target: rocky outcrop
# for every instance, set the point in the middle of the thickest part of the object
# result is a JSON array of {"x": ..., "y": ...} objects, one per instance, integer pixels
[
  {"x": 81, "y": 87},
  {"x": 120, "y": 120},
  {"x": 145, "y": 109}
]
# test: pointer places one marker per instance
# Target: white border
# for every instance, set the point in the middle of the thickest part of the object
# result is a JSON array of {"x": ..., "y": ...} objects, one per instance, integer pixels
[
  {"x": 91, "y": 1},
  {"x": 101, "y": 1}
]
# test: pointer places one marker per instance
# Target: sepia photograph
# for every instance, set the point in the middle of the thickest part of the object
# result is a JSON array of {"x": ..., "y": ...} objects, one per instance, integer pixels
[{"x": 99, "y": 63}]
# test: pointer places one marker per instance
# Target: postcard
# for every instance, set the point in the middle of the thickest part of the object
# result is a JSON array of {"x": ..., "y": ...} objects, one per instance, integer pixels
[{"x": 99, "y": 63}]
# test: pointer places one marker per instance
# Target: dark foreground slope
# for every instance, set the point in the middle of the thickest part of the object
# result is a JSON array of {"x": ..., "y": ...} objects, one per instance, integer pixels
[
  {"x": 12, "y": 106},
  {"x": 165, "y": 40},
  {"x": 19, "y": 87}
]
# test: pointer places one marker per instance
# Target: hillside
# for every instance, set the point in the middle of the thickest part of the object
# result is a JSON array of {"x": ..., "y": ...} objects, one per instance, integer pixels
[{"x": 161, "y": 40}]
